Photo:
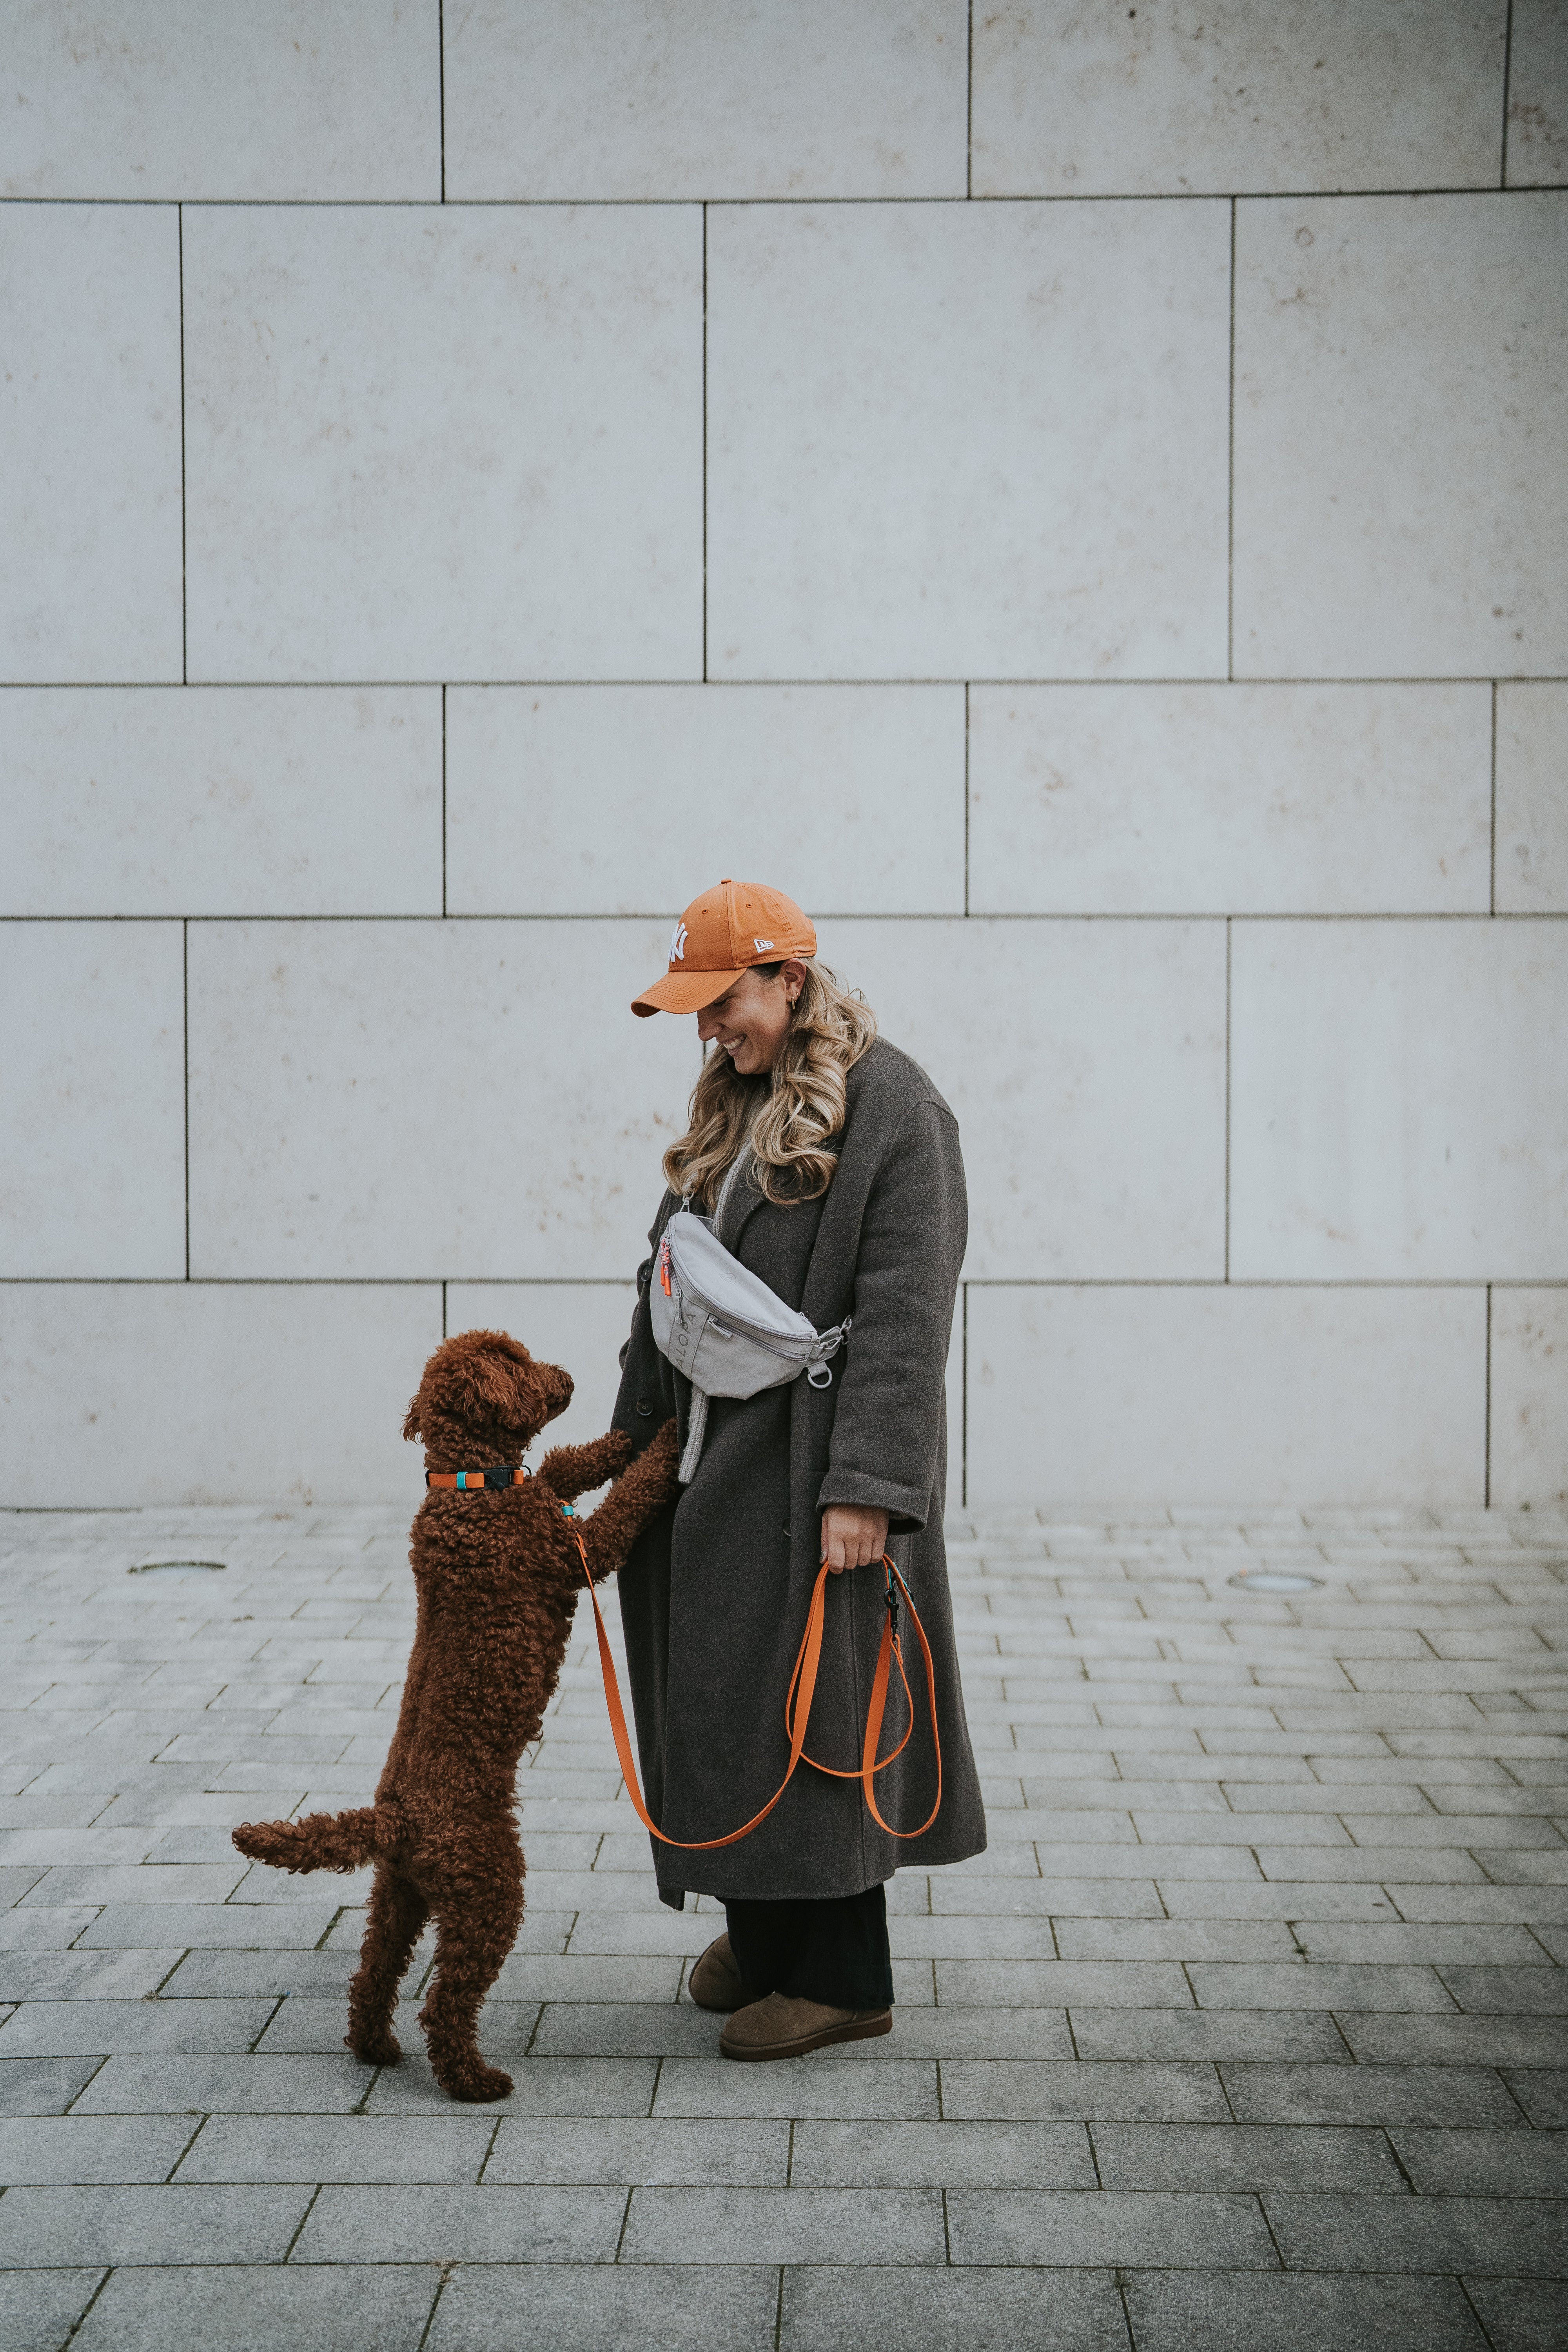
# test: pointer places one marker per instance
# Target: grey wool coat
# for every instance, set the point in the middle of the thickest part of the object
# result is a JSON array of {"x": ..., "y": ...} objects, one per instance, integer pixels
[{"x": 715, "y": 1595}]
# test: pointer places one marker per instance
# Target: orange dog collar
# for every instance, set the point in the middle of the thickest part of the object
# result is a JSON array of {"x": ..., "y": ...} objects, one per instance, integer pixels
[{"x": 470, "y": 1481}]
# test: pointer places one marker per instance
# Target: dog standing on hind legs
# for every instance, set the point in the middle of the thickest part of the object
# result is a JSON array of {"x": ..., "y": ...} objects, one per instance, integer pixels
[{"x": 498, "y": 1572}]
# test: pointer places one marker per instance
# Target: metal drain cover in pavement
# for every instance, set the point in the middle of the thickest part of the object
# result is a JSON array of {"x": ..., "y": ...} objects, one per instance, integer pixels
[
  {"x": 176, "y": 1567},
  {"x": 1275, "y": 1580}
]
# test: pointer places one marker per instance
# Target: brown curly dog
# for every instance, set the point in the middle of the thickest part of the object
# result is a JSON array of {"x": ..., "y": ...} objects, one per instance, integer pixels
[{"x": 498, "y": 1573}]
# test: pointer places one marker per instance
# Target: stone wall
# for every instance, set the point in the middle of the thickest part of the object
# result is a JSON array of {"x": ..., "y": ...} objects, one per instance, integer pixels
[{"x": 1076, "y": 494}]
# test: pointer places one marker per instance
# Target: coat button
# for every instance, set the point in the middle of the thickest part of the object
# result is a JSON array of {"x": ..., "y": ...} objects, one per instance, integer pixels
[{"x": 645, "y": 1408}]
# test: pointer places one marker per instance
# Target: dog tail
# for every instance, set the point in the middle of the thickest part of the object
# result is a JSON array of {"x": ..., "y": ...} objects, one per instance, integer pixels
[{"x": 322, "y": 1841}]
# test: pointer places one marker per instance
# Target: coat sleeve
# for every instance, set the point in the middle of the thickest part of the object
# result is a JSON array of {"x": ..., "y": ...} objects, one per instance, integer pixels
[
  {"x": 650, "y": 1390},
  {"x": 888, "y": 1423}
]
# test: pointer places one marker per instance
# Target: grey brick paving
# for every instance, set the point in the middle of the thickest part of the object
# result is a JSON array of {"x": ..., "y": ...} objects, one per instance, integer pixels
[
  {"x": 42, "y": 2228},
  {"x": 1250, "y": 2023},
  {"x": 1494, "y": 2236},
  {"x": 90, "y": 2150},
  {"x": 462, "y": 2225},
  {"x": 637, "y": 2151},
  {"x": 42, "y": 2087},
  {"x": 785, "y": 2225},
  {"x": 1192, "y": 2230},
  {"x": 264, "y": 2309},
  {"x": 1485, "y": 2163},
  {"x": 1521, "y": 2314},
  {"x": 1245, "y": 2156},
  {"x": 1541, "y": 2091},
  {"x": 826, "y": 2308},
  {"x": 1453, "y": 2095},
  {"x": 943, "y": 2156},
  {"x": 336, "y": 2147},
  {"x": 39, "y": 2308},
  {"x": 1232, "y": 2312},
  {"x": 678, "y": 2309}
]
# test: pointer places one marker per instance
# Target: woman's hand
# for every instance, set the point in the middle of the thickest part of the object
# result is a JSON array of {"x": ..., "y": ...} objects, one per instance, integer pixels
[{"x": 852, "y": 1536}]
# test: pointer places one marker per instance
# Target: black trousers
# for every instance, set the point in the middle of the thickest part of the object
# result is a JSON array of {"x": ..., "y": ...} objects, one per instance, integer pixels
[{"x": 834, "y": 1950}]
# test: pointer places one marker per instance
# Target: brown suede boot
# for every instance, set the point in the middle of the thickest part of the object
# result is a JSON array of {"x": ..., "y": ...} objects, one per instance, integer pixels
[
  {"x": 716, "y": 1983},
  {"x": 780, "y": 2027}
]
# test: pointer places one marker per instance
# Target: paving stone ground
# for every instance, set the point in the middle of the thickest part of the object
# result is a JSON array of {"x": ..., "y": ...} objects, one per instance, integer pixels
[{"x": 1248, "y": 2027}]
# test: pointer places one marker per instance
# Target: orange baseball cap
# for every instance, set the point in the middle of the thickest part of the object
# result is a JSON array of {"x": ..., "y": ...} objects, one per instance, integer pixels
[{"x": 730, "y": 927}]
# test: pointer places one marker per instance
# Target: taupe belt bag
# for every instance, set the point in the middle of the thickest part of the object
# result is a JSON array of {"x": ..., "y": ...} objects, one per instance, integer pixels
[{"x": 721, "y": 1326}]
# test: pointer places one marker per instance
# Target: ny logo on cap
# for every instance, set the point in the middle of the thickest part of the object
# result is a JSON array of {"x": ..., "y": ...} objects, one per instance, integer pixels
[{"x": 678, "y": 945}]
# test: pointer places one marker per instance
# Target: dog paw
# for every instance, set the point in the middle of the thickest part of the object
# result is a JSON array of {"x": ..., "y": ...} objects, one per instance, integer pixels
[
  {"x": 375, "y": 2050},
  {"x": 475, "y": 2084}
]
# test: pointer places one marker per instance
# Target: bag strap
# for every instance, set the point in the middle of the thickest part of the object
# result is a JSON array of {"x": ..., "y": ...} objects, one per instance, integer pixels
[{"x": 797, "y": 1708}]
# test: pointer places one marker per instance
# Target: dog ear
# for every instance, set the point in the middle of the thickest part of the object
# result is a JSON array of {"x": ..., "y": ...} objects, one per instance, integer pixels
[
  {"x": 411, "y": 1428},
  {"x": 506, "y": 1386}
]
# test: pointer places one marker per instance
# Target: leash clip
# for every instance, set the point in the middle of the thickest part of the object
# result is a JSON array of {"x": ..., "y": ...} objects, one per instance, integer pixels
[{"x": 890, "y": 1595}]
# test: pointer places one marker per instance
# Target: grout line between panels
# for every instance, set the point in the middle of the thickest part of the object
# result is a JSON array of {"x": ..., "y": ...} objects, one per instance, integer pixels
[
  {"x": 1492, "y": 887},
  {"x": 910, "y": 683},
  {"x": 185, "y": 622},
  {"x": 1487, "y": 1456},
  {"x": 705, "y": 444},
  {"x": 966, "y": 906},
  {"x": 1217, "y": 1283},
  {"x": 1230, "y": 474},
  {"x": 968, "y": 111},
  {"x": 1227, "y": 1051},
  {"x": 1522, "y": 917},
  {"x": 954, "y": 197},
  {"x": 185, "y": 1089}
]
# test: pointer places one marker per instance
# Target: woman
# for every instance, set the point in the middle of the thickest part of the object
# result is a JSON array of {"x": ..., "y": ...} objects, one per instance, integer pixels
[{"x": 830, "y": 1166}]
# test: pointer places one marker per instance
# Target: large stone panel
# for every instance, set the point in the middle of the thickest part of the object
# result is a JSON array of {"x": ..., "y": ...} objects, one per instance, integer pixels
[
  {"x": 221, "y": 801},
  {"x": 1178, "y": 1393},
  {"x": 1532, "y": 799},
  {"x": 92, "y": 1173},
  {"x": 939, "y": 440},
  {"x": 1085, "y": 1062},
  {"x": 1175, "y": 99},
  {"x": 1529, "y": 1398},
  {"x": 1397, "y": 1110},
  {"x": 281, "y": 101},
  {"x": 657, "y": 100},
  {"x": 1538, "y": 94},
  {"x": 1157, "y": 800},
  {"x": 600, "y": 800},
  {"x": 193, "y": 1392},
  {"x": 443, "y": 443},
  {"x": 1402, "y": 438},
  {"x": 397, "y": 1100},
  {"x": 90, "y": 422}
]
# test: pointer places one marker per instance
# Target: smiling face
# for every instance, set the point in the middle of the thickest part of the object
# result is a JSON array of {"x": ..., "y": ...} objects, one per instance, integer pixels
[{"x": 751, "y": 1019}]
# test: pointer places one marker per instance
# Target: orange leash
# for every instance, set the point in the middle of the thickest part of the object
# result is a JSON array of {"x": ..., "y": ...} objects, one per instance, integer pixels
[{"x": 797, "y": 1709}]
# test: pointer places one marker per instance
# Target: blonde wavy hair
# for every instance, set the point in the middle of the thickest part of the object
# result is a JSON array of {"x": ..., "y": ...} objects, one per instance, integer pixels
[{"x": 792, "y": 1112}]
